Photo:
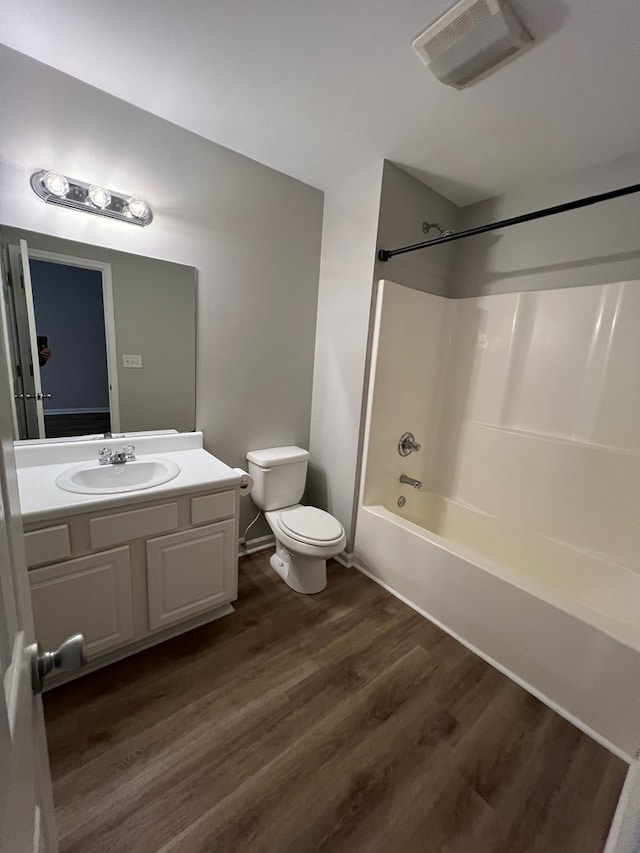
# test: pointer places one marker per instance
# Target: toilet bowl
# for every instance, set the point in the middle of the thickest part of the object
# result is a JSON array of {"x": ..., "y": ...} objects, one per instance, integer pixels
[{"x": 306, "y": 537}]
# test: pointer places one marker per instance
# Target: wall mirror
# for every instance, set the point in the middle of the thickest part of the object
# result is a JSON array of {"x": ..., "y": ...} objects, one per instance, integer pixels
[{"x": 99, "y": 341}]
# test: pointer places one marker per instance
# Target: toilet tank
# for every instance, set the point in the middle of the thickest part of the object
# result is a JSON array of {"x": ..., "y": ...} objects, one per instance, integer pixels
[{"x": 279, "y": 475}]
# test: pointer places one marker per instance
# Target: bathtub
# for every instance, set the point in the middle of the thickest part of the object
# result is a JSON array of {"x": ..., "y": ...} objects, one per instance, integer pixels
[
  {"x": 524, "y": 537},
  {"x": 563, "y": 623},
  {"x": 586, "y": 585}
]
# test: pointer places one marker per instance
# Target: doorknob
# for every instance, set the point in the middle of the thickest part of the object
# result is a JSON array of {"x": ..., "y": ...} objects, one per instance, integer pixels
[{"x": 72, "y": 654}]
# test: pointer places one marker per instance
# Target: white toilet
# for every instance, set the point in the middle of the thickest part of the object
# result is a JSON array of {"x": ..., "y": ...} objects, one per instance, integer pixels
[{"x": 306, "y": 537}]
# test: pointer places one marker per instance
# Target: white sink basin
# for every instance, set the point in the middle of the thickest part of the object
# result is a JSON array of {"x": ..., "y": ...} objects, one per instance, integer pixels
[{"x": 91, "y": 478}]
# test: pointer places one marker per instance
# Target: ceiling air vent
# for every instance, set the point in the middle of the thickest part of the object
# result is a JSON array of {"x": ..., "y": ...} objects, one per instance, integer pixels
[{"x": 472, "y": 39}]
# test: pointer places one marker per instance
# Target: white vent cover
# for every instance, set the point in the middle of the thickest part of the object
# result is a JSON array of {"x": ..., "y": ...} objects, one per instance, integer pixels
[{"x": 471, "y": 40}]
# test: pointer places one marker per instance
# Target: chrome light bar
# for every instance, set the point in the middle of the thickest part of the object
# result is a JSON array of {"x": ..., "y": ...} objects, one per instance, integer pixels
[{"x": 92, "y": 198}]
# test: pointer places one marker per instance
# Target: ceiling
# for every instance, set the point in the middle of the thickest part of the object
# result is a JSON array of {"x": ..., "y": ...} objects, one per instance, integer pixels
[{"x": 320, "y": 88}]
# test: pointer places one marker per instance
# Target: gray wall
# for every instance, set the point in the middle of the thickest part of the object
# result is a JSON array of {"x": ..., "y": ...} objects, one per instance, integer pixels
[
  {"x": 68, "y": 309},
  {"x": 595, "y": 245},
  {"x": 346, "y": 275},
  {"x": 154, "y": 305},
  {"x": 405, "y": 204},
  {"x": 252, "y": 233}
]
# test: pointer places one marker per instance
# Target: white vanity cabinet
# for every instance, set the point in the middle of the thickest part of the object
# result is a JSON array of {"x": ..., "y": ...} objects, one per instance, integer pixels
[
  {"x": 133, "y": 575},
  {"x": 188, "y": 573},
  {"x": 92, "y": 594}
]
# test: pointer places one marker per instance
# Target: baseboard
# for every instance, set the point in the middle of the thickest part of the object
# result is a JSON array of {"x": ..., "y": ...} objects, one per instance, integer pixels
[
  {"x": 260, "y": 543},
  {"x": 345, "y": 559},
  {"x": 93, "y": 410},
  {"x": 503, "y": 669},
  {"x": 129, "y": 649}
]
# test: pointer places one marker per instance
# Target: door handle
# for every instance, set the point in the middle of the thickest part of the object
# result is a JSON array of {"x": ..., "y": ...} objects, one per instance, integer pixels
[
  {"x": 44, "y": 396},
  {"x": 29, "y": 396},
  {"x": 70, "y": 655},
  {"x": 18, "y": 396}
]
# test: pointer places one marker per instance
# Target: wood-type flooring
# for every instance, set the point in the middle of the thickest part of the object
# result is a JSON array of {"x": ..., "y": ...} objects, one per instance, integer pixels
[{"x": 342, "y": 721}]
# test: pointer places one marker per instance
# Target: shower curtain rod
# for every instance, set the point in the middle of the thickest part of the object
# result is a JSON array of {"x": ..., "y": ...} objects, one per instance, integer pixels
[{"x": 386, "y": 254}]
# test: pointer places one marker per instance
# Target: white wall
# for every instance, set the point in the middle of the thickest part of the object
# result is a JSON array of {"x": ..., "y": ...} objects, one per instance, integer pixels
[
  {"x": 594, "y": 245},
  {"x": 252, "y": 233},
  {"x": 344, "y": 299},
  {"x": 380, "y": 207}
]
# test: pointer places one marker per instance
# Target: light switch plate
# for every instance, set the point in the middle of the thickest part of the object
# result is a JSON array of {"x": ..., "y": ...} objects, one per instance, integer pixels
[{"x": 132, "y": 361}]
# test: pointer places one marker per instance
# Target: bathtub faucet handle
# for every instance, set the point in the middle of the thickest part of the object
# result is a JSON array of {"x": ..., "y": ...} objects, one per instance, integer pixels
[{"x": 407, "y": 444}]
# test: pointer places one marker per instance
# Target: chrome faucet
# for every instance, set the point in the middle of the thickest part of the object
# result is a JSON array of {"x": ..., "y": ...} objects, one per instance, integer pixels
[
  {"x": 407, "y": 444},
  {"x": 107, "y": 456},
  {"x": 409, "y": 481}
]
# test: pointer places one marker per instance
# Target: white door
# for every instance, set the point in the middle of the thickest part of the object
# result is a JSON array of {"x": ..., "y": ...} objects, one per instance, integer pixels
[
  {"x": 27, "y": 340},
  {"x": 33, "y": 338},
  {"x": 26, "y": 802}
]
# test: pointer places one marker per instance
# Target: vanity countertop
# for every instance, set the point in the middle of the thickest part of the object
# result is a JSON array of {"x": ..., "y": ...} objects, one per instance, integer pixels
[{"x": 41, "y": 499}]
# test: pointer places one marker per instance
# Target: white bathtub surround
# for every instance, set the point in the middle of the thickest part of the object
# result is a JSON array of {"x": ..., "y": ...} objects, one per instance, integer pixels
[{"x": 524, "y": 539}]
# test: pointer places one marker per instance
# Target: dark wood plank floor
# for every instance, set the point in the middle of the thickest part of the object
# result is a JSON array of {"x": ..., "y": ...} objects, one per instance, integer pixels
[
  {"x": 86, "y": 423},
  {"x": 337, "y": 722}
]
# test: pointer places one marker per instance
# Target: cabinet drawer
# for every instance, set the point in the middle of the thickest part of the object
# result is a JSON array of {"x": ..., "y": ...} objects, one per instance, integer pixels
[
  {"x": 47, "y": 545},
  {"x": 213, "y": 507},
  {"x": 108, "y": 530},
  {"x": 90, "y": 595},
  {"x": 190, "y": 572}
]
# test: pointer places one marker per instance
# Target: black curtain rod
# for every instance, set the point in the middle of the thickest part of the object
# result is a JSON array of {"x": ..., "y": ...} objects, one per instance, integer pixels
[{"x": 386, "y": 254}]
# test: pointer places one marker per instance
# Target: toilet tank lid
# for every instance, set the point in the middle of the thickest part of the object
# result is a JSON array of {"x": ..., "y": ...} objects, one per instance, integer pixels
[{"x": 272, "y": 456}]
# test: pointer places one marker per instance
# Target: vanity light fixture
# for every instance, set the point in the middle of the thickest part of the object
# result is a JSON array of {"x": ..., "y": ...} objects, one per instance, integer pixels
[
  {"x": 99, "y": 196},
  {"x": 137, "y": 207},
  {"x": 92, "y": 198},
  {"x": 57, "y": 185}
]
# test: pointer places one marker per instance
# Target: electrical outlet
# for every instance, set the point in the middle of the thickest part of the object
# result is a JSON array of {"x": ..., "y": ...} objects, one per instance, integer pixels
[{"x": 132, "y": 361}]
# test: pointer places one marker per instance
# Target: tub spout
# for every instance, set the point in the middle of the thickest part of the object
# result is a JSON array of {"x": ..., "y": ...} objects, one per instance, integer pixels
[{"x": 409, "y": 481}]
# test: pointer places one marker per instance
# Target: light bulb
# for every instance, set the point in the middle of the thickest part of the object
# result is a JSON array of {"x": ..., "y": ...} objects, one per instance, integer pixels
[
  {"x": 99, "y": 196},
  {"x": 137, "y": 207},
  {"x": 56, "y": 184}
]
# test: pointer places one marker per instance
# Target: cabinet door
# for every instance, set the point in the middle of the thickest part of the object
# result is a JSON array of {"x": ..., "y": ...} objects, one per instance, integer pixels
[
  {"x": 190, "y": 572},
  {"x": 91, "y": 595}
]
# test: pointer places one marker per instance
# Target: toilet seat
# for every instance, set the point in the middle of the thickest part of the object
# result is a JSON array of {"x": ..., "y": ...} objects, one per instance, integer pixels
[{"x": 311, "y": 526}]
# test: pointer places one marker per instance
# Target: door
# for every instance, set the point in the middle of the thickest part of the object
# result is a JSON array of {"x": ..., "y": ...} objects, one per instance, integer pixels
[
  {"x": 38, "y": 401},
  {"x": 26, "y": 801},
  {"x": 27, "y": 369},
  {"x": 27, "y": 341},
  {"x": 9, "y": 334},
  {"x": 61, "y": 330}
]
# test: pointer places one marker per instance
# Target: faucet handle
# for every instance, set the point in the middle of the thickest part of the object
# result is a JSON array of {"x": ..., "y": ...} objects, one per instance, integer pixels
[
  {"x": 105, "y": 455},
  {"x": 407, "y": 444},
  {"x": 129, "y": 451}
]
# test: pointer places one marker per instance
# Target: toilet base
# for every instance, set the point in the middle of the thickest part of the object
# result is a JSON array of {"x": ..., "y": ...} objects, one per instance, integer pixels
[{"x": 306, "y": 575}]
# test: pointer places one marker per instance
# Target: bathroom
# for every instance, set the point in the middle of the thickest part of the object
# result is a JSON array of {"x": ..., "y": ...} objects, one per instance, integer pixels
[{"x": 204, "y": 741}]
